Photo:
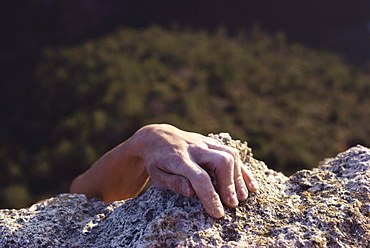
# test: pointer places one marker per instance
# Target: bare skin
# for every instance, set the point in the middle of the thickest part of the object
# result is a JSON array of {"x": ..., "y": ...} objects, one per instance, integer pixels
[{"x": 175, "y": 160}]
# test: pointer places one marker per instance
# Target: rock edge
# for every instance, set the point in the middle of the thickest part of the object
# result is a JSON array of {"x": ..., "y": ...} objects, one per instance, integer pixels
[{"x": 328, "y": 206}]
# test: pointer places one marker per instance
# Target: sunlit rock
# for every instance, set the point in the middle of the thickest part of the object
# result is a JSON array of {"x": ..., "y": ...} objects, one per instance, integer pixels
[{"x": 328, "y": 206}]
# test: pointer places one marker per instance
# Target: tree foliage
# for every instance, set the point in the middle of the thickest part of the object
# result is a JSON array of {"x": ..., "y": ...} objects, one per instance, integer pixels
[{"x": 295, "y": 106}]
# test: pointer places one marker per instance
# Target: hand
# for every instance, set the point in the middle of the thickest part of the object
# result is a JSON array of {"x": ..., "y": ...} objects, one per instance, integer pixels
[
  {"x": 178, "y": 160},
  {"x": 175, "y": 160}
]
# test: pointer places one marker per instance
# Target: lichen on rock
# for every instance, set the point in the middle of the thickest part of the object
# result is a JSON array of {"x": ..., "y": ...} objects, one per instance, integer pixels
[{"x": 328, "y": 206}]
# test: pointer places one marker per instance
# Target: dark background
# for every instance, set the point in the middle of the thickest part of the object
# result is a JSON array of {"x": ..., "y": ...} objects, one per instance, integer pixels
[{"x": 341, "y": 26}]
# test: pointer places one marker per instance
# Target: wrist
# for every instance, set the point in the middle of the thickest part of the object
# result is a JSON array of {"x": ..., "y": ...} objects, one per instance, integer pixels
[{"x": 147, "y": 137}]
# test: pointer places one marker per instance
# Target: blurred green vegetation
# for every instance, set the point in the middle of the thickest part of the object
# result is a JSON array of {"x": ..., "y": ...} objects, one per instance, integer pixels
[{"x": 295, "y": 106}]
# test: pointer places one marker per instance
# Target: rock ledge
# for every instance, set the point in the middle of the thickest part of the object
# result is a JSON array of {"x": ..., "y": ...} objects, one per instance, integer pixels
[{"x": 328, "y": 206}]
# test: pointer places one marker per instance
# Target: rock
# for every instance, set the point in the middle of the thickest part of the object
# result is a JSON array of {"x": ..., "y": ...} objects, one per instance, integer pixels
[{"x": 328, "y": 206}]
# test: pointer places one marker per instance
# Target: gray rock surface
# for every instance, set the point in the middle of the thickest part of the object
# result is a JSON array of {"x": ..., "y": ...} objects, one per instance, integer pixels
[{"x": 328, "y": 206}]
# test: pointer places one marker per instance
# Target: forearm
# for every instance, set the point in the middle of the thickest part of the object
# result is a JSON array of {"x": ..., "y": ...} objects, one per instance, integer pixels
[{"x": 119, "y": 174}]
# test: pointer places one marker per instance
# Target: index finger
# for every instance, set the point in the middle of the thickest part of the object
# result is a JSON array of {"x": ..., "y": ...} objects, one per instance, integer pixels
[
  {"x": 206, "y": 193},
  {"x": 181, "y": 164},
  {"x": 203, "y": 187}
]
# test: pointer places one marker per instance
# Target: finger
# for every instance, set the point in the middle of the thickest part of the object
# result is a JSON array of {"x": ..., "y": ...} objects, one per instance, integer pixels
[
  {"x": 206, "y": 193},
  {"x": 200, "y": 182},
  {"x": 240, "y": 184},
  {"x": 203, "y": 187},
  {"x": 222, "y": 164},
  {"x": 176, "y": 183},
  {"x": 249, "y": 179},
  {"x": 240, "y": 176}
]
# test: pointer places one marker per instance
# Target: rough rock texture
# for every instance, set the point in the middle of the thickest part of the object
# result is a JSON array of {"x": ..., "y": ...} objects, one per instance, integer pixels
[{"x": 328, "y": 206}]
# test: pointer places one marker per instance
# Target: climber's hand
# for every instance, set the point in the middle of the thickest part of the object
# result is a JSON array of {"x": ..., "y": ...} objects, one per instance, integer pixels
[
  {"x": 178, "y": 160},
  {"x": 175, "y": 160}
]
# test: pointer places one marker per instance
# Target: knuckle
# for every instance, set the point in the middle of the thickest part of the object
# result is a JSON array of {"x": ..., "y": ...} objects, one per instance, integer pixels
[
  {"x": 239, "y": 182},
  {"x": 234, "y": 152},
  {"x": 176, "y": 157},
  {"x": 227, "y": 188},
  {"x": 213, "y": 198},
  {"x": 201, "y": 176},
  {"x": 227, "y": 160}
]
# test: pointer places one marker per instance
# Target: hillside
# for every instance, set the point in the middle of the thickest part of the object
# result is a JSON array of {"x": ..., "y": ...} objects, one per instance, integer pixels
[{"x": 294, "y": 105}]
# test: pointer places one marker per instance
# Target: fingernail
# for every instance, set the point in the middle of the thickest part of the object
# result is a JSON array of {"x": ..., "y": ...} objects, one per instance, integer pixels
[
  {"x": 243, "y": 194},
  {"x": 233, "y": 201},
  {"x": 253, "y": 186},
  {"x": 218, "y": 212}
]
